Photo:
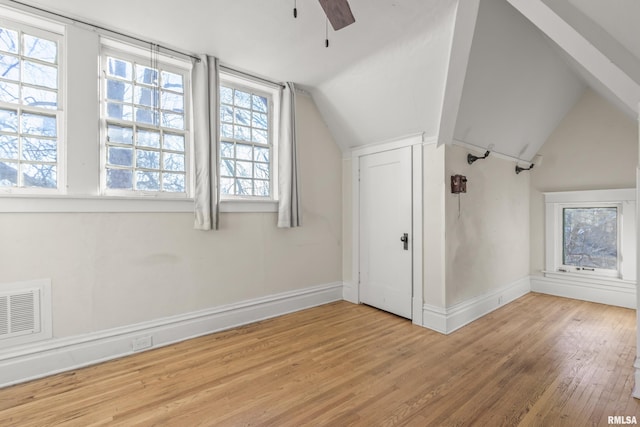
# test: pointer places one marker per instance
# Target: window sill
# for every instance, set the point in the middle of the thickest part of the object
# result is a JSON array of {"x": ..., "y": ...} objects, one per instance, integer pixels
[
  {"x": 89, "y": 204},
  {"x": 589, "y": 279},
  {"x": 239, "y": 205}
]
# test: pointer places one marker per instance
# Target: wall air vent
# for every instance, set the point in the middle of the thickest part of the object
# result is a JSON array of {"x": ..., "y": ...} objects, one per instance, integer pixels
[{"x": 25, "y": 312}]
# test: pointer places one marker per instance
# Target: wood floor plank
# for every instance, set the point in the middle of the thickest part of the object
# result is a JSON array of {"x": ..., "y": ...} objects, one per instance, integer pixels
[{"x": 539, "y": 361}]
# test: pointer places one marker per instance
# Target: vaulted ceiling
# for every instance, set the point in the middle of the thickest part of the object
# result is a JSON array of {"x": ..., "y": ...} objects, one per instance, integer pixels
[{"x": 503, "y": 80}]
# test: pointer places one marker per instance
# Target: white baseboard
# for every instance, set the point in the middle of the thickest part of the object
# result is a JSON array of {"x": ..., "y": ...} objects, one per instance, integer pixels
[
  {"x": 636, "y": 387},
  {"x": 33, "y": 361},
  {"x": 447, "y": 320},
  {"x": 621, "y": 295},
  {"x": 350, "y": 293}
]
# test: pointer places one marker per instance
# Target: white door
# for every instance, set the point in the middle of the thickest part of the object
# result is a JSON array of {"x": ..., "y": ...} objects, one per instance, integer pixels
[{"x": 385, "y": 218}]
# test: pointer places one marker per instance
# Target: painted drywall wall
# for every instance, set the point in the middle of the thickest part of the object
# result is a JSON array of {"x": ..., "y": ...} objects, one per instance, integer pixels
[
  {"x": 116, "y": 269},
  {"x": 347, "y": 222},
  {"x": 434, "y": 189},
  {"x": 395, "y": 92},
  {"x": 595, "y": 147},
  {"x": 517, "y": 86},
  {"x": 487, "y": 238}
]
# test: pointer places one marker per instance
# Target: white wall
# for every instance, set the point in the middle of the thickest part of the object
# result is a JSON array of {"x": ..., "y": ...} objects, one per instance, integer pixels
[
  {"x": 487, "y": 239},
  {"x": 116, "y": 269},
  {"x": 595, "y": 147}
]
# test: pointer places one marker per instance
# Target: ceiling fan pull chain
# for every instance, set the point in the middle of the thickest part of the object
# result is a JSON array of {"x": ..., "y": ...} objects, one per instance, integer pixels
[
  {"x": 326, "y": 33},
  {"x": 295, "y": 8}
]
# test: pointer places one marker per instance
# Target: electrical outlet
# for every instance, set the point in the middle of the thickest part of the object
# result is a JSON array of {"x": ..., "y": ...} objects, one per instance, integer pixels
[{"x": 141, "y": 343}]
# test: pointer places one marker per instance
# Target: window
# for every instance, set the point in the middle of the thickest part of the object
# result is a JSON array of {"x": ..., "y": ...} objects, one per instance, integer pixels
[
  {"x": 31, "y": 143},
  {"x": 247, "y": 154},
  {"x": 145, "y": 125},
  {"x": 590, "y": 238},
  {"x": 588, "y": 232}
]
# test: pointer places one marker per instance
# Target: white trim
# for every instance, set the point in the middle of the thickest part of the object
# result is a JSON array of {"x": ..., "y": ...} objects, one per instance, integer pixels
[
  {"x": 621, "y": 294},
  {"x": 35, "y": 361},
  {"x": 351, "y": 292},
  {"x": 447, "y": 320},
  {"x": 587, "y": 196},
  {"x": 247, "y": 205},
  {"x": 68, "y": 204},
  {"x": 636, "y": 387}
]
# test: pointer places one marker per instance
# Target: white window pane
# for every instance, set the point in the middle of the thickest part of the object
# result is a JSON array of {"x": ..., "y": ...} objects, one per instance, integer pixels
[
  {"x": 261, "y": 170},
  {"x": 244, "y": 152},
  {"x": 44, "y": 50},
  {"x": 119, "y": 111},
  {"x": 173, "y": 162},
  {"x": 8, "y": 40},
  {"x": 173, "y": 121},
  {"x": 146, "y": 116},
  {"x": 119, "y": 179},
  {"x": 9, "y": 67},
  {"x": 226, "y": 113},
  {"x": 120, "y": 156},
  {"x": 242, "y": 99},
  {"x": 119, "y": 91},
  {"x": 226, "y": 131},
  {"x": 242, "y": 133},
  {"x": 8, "y": 121},
  {"x": 146, "y": 96},
  {"x": 172, "y": 81},
  {"x": 259, "y": 121},
  {"x": 261, "y": 188},
  {"x": 260, "y": 103},
  {"x": 227, "y": 167},
  {"x": 261, "y": 154},
  {"x": 243, "y": 117},
  {"x": 244, "y": 169},
  {"x": 39, "y": 150},
  {"x": 244, "y": 187},
  {"x": 8, "y": 174},
  {"x": 119, "y": 134},
  {"x": 39, "y": 74},
  {"x": 226, "y": 149},
  {"x": 8, "y": 147},
  {"x": 173, "y": 182},
  {"x": 119, "y": 68},
  {"x": 227, "y": 186},
  {"x": 260, "y": 136},
  {"x": 226, "y": 95},
  {"x": 146, "y": 75},
  {"x": 172, "y": 102},
  {"x": 173, "y": 142},
  {"x": 9, "y": 92},
  {"x": 147, "y": 181},
  {"x": 148, "y": 138},
  {"x": 39, "y": 98},
  {"x": 147, "y": 159},
  {"x": 37, "y": 124},
  {"x": 42, "y": 176},
  {"x": 590, "y": 237}
]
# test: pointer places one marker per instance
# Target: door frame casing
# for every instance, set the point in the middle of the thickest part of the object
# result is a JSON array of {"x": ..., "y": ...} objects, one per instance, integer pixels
[{"x": 352, "y": 293}]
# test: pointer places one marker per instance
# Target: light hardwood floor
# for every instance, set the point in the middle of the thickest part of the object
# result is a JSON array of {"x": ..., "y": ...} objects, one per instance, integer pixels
[{"x": 539, "y": 361}]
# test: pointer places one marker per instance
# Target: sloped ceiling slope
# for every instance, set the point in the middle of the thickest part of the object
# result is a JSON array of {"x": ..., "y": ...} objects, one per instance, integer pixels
[{"x": 517, "y": 87}]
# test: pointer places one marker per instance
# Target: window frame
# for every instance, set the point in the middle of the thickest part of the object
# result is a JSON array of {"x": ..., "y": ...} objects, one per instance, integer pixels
[
  {"x": 49, "y": 31},
  {"x": 623, "y": 200},
  {"x": 244, "y": 203},
  {"x": 137, "y": 55}
]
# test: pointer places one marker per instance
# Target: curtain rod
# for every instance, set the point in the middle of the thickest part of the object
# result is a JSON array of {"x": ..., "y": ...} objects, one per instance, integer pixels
[
  {"x": 250, "y": 76},
  {"x": 98, "y": 27}
]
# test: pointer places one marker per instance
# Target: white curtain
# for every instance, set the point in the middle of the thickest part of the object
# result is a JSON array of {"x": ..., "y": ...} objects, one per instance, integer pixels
[
  {"x": 206, "y": 107},
  {"x": 289, "y": 209}
]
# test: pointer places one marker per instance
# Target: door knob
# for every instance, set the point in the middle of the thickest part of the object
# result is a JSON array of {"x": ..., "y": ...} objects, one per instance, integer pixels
[{"x": 405, "y": 239}]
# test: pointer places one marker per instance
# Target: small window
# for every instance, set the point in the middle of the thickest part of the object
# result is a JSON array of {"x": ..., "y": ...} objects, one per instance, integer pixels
[
  {"x": 246, "y": 142},
  {"x": 590, "y": 238},
  {"x": 145, "y": 138},
  {"x": 30, "y": 109}
]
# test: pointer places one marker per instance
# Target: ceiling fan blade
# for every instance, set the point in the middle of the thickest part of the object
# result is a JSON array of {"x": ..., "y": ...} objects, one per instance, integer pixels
[{"x": 338, "y": 12}]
